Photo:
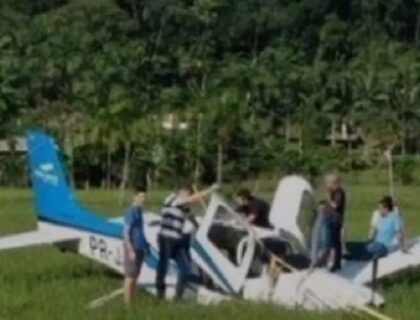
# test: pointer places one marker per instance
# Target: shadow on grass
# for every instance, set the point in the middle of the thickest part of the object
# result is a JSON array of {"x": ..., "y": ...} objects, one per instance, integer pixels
[{"x": 410, "y": 277}]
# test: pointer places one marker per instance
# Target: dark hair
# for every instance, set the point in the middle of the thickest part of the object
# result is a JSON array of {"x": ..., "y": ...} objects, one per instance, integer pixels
[
  {"x": 245, "y": 194},
  {"x": 139, "y": 189},
  {"x": 387, "y": 202}
]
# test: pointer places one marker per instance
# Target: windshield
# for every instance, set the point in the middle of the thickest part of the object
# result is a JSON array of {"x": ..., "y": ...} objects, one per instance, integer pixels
[
  {"x": 226, "y": 232},
  {"x": 306, "y": 216}
]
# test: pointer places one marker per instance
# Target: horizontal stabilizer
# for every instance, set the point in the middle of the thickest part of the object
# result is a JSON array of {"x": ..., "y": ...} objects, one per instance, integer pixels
[
  {"x": 394, "y": 263},
  {"x": 30, "y": 239}
]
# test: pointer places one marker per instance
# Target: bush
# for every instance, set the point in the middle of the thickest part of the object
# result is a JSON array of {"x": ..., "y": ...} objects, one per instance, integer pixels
[
  {"x": 404, "y": 168},
  {"x": 308, "y": 164}
]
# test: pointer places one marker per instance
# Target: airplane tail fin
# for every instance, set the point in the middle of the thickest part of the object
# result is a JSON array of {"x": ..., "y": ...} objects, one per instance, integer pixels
[{"x": 54, "y": 198}]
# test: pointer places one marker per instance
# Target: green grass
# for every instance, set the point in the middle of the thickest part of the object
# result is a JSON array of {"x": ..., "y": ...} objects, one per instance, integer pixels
[{"x": 42, "y": 283}]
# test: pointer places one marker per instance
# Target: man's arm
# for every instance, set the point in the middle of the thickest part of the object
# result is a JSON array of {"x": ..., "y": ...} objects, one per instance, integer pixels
[
  {"x": 335, "y": 200},
  {"x": 201, "y": 194},
  {"x": 372, "y": 232},
  {"x": 144, "y": 240},
  {"x": 251, "y": 217},
  {"x": 192, "y": 219},
  {"x": 127, "y": 239},
  {"x": 373, "y": 222},
  {"x": 127, "y": 236}
]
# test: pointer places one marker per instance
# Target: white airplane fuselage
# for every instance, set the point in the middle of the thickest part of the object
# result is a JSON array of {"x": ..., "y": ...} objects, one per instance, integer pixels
[{"x": 226, "y": 254}]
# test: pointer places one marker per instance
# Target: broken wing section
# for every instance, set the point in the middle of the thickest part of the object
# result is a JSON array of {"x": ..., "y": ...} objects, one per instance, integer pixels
[
  {"x": 215, "y": 246},
  {"x": 394, "y": 263}
]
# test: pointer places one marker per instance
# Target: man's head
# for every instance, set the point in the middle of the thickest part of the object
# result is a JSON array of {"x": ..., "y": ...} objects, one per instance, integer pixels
[
  {"x": 244, "y": 196},
  {"x": 139, "y": 195},
  {"x": 183, "y": 194},
  {"x": 386, "y": 205},
  {"x": 185, "y": 191},
  {"x": 332, "y": 182}
]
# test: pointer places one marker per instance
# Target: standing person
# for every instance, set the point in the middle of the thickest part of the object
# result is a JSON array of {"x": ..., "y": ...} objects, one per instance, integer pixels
[
  {"x": 171, "y": 238},
  {"x": 322, "y": 233},
  {"x": 256, "y": 210},
  {"x": 135, "y": 244},
  {"x": 337, "y": 201}
]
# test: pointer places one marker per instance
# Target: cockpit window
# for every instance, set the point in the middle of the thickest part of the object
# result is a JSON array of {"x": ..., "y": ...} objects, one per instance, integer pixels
[{"x": 226, "y": 234}]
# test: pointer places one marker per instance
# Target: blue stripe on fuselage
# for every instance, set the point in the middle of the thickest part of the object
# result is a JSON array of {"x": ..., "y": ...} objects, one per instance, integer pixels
[{"x": 108, "y": 229}]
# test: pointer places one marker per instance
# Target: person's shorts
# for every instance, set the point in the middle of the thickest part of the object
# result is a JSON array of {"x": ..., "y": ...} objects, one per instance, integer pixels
[{"x": 132, "y": 268}]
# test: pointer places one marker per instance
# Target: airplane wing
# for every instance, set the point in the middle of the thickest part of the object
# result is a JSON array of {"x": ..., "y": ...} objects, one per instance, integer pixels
[
  {"x": 394, "y": 263},
  {"x": 30, "y": 239}
]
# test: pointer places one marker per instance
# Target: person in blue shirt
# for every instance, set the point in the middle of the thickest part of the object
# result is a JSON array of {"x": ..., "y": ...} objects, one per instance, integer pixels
[
  {"x": 388, "y": 227},
  {"x": 135, "y": 244}
]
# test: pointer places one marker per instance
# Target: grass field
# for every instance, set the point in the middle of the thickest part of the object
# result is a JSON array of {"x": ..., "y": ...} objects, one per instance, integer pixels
[{"x": 43, "y": 283}]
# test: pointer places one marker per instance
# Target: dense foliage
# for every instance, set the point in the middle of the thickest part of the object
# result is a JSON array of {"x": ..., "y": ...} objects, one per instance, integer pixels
[{"x": 250, "y": 86}]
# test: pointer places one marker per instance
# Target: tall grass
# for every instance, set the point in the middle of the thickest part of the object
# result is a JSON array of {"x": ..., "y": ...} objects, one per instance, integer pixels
[{"x": 42, "y": 283}]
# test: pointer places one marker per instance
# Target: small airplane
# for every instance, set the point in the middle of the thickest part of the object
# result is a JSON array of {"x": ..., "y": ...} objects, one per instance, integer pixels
[{"x": 230, "y": 258}]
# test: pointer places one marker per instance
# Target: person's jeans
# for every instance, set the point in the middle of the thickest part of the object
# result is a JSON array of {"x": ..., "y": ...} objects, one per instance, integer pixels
[
  {"x": 336, "y": 244},
  {"x": 365, "y": 250},
  {"x": 175, "y": 249},
  {"x": 377, "y": 250}
]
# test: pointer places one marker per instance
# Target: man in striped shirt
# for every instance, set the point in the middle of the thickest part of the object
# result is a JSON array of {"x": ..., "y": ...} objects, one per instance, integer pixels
[{"x": 171, "y": 239}]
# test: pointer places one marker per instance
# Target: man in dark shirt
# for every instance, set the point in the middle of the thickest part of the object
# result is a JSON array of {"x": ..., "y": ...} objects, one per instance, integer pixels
[
  {"x": 255, "y": 210},
  {"x": 337, "y": 201}
]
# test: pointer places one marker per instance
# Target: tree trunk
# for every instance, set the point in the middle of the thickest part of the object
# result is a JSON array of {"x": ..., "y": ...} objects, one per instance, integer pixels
[
  {"x": 149, "y": 180},
  {"x": 198, "y": 153},
  {"x": 108, "y": 168},
  {"x": 219, "y": 163},
  {"x": 301, "y": 140},
  {"x": 288, "y": 130},
  {"x": 333, "y": 131},
  {"x": 126, "y": 165},
  {"x": 26, "y": 174},
  {"x": 389, "y": 156},
  {"x": 349, "y": 148},
  {"x": 70, "y": 154},
  {"x": 417, "y": 31},
  {"x": 403, "y": 137},
  {"x": 403, "y": 146}
]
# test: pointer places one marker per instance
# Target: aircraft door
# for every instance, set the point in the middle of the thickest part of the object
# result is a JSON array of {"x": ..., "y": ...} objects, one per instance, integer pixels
[{"x": 214, "y": 248}]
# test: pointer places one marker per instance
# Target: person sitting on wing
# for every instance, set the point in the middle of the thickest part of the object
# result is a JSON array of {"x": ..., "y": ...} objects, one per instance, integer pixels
[
  {"x": 388, "y": 227},
  {"x": 171, "y": 239},
  {"x": 376, "y": 215}
]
